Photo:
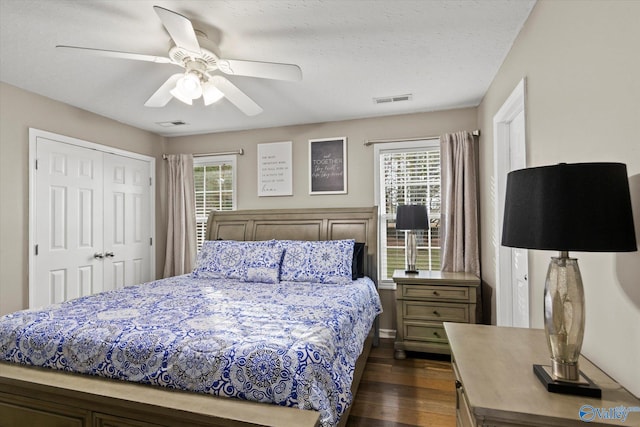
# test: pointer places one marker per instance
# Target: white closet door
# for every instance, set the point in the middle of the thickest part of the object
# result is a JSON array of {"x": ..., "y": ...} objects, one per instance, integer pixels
[
  {"x": 127, "y": 230},
  {"x": 68, "y": 223}
]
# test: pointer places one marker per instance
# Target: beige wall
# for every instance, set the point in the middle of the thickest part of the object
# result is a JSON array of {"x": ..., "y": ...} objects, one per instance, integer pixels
[
  {"x": 581, "y": 63},
  {"x": 20, "y": 110},
  {"x": 360, "y": 161},
  {"x": 359, "y": 157}
]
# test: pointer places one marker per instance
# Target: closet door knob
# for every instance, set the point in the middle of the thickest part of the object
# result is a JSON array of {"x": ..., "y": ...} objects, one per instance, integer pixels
[
  {"x": 98, "y": 255},
  {"x": 109, "y": 254}
]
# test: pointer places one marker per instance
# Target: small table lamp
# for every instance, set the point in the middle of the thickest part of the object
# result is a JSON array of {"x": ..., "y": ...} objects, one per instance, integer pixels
[
  {"x": 583, "y": 207},
  {"x": 412, "y": 218}
]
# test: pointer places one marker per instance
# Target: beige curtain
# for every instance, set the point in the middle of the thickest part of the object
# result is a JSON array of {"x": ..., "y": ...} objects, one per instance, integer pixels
[
  {"x": 459, "y": 160},
  {"x": 181, "y": 229}
]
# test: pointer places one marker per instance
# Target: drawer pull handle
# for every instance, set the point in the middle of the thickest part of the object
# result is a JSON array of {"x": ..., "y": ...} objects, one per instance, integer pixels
[
  {"x": 436, "y": 312},
  {"x": 436, "y": 334},
  {"x": 436, "y": 293}
]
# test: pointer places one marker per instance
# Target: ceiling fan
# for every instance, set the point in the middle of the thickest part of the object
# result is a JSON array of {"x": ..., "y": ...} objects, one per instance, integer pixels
[{"x": 199, "y": 57}]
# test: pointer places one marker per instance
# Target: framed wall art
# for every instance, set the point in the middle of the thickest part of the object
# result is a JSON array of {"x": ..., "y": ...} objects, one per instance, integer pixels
[
  {"x": 274, "y": 169},
  {"x": 328, "y": 166}
]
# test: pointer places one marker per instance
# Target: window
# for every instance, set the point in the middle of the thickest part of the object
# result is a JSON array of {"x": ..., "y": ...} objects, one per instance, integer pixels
[
  {"x": 215, "y": 184},
  {"x": 408, "y": 173}
]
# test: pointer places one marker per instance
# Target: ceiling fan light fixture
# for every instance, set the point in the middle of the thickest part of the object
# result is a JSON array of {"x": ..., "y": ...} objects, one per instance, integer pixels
[
  {"x": 211, "y": 94},
  {"x": 189, "y": 85},
  {"x": 177, "y": 93}
]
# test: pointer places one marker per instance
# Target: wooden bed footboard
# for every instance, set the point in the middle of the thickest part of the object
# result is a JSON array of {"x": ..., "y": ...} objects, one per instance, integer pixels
[{"x": 31, "y": 396}]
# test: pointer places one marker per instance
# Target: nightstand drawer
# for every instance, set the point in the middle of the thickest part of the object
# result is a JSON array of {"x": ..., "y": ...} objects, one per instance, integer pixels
[
  {"x": 417, "y": 331},
  {"x": 421, "y": 310},
  {"x": 437, "y": 292}
]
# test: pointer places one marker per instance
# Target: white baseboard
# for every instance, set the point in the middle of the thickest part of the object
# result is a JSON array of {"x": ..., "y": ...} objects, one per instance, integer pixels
[{"x": 387, "y": 333}]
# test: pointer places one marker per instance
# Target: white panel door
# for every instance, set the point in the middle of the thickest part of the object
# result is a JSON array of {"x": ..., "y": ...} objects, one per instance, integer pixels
[
  {"x": 127, "y": 230},
  {"x": 509, "y": 149},
  {"x": 519, "y": 257},
  {"x": 68, "y": 222}
]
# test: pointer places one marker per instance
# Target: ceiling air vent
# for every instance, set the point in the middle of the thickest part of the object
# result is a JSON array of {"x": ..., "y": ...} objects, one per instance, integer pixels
[
  {"x": 390, "y": 99},
  {"x": 171, "y": 123}
]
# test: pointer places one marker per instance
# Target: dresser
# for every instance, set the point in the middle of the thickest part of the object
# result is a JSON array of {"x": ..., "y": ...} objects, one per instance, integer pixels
[
  {"x": 427, "y": 299},
  {"x": 496, "y": 385}
]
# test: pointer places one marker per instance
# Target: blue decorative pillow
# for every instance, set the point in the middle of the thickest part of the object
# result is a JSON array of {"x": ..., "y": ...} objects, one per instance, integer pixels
[
  {"x": 262, "y": 264},
  {"x": 317, "y": 261},
  {"x": 225, "y": 258}
]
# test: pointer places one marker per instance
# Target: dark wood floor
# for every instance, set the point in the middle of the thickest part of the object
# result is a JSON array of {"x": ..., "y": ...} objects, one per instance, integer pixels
[{"x": 417, "y": 391}]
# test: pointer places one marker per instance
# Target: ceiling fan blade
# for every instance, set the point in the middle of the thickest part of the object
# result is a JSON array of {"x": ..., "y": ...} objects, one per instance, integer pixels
[
  {"x": 236, "y": 96},
  {"x": 162, "y": 96},
  {"x": 116, "y": 54},
  {"x": 265, "y": 70},
  {"x": 179, "y": 28}
]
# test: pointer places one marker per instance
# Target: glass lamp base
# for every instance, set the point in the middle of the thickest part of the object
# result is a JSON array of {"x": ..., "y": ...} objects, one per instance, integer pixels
[
  {"x": 412, "y": 252},
  {"x": 564, "y": 316}
]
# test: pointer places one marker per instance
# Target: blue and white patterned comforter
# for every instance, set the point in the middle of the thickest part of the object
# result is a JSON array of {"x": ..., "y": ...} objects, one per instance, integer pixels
[{"x": 292, "y": 344}]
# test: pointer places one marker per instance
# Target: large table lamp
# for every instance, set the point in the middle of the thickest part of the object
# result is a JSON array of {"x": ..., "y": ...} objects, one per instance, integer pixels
[
  {"x": 412, "y": 218},
  {"x": 583, "y": 207}
]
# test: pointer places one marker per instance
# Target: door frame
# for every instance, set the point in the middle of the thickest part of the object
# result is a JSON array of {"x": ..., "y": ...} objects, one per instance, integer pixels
[
  {"x": 514, "y": 105},
  {"x": 34, "y": 135}
]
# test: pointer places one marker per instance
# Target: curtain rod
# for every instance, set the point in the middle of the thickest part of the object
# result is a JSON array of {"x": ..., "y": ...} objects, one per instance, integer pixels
[
  {"x": 368, "y": 142},
  {"x": 239, "y": 152}
]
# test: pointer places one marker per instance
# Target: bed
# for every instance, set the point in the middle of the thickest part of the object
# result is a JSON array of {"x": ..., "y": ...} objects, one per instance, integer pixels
[{"x": 310, "y": 373}]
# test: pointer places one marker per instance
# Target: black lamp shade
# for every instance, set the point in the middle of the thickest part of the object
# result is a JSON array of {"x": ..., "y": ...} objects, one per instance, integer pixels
[
  {"x": 569, "y": 207},
  {"x": 412, "y": 217}
]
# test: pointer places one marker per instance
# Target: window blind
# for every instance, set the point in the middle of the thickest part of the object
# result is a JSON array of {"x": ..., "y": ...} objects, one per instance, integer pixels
[
  {"x": 410, "y": 177},
  {"x": 214, "y": 191}
]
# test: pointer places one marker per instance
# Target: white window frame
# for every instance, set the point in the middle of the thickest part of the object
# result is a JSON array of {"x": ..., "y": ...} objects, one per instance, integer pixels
[
  {"x": 403, "y": 146},
  {"x": 216, "y": 160}
]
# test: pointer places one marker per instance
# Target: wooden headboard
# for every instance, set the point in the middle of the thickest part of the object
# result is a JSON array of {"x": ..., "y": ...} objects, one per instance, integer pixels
[{"x": 360, "y": 224}]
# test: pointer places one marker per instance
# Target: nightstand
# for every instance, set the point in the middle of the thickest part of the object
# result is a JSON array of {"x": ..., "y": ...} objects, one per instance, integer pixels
[{"x": 425, "y": 300}]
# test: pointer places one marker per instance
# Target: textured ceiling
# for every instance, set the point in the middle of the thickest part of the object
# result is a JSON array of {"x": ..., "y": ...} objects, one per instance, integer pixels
[{"x": 443, "y": 52}]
